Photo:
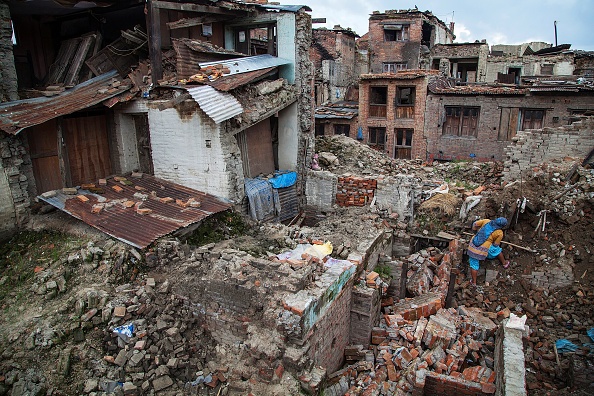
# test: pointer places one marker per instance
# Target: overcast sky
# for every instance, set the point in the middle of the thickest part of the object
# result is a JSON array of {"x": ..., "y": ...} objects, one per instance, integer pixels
[{"x": 499, "y": 22}]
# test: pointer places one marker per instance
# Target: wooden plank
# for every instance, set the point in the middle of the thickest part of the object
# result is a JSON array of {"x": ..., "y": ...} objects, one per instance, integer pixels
[
  {"x": 81, "y": 54},
  {"x": 88, "y": 148},
  {"x": 195, "y": 8},
  {"x": 155, "y": 54},
  {"x": 96, "y": 48},
  {"x": 189, "y": 22},
  {"x": 59, "y": 67}
]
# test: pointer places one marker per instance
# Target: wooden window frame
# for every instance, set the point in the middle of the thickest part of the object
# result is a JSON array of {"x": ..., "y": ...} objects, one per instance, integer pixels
[
  {"x": 378, "y": 109},
  {"x": 532, "y": 122},
  {"x": 374, "y": 140},
  {"x": 396, "y": 35},
  {"x": 394, "y": 67},
  {"x": 338, "y": 131},
  {"x": 459, "y": 120},
  {"x": 403, "y": 140}
]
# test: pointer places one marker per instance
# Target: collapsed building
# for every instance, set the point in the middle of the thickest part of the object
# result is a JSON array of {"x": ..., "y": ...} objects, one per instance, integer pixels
[
  {"x": 205, "y": 96},
  {"x": 356, "y": 306}
]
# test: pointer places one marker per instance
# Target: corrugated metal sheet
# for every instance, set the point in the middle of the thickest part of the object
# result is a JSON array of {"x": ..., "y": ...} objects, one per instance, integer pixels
[
  {"x": 288, "y": 8},
  {"x": 219, "y": 106},
  {"x": 444, "y": 86},
  {"x": 249, "y": 64},
  {"x": 289, "y": 203},
  {"x": 126, "y": 224},
  {"x": 18, "y": 115}
]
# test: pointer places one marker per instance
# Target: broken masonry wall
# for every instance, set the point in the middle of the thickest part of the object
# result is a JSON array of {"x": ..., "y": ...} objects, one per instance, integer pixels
[
  {"x": 16, "y": 172},
  {"x": 8, "y": 74},
  {"x": 397, "y": 194},
  {"x": 321, "y": 190},
  {"x": 331, "y": 333},
  {"x": 364, "y": 315},
  {"x": 304, "y": 81},
  {"x": 452, "y": 53},
  {"x": 531, "y": 65},
  {"x": 533, "y": 147},
  {"x": 509, "y": 357},
  {"x": 189, "y": 149},
  {"x": 381, "y": 51},
  {"x": 488, "y": 145}
]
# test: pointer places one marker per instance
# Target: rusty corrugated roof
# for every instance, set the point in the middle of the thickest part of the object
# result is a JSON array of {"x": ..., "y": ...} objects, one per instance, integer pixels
[
  {"x": 227, "y": 83},
  {"x": 125, "y": 223},
  {"x": 18, "y": 115}
]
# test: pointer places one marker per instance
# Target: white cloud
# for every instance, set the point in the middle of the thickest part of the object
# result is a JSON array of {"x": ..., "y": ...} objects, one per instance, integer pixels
[{"x": 463, "y": 35}]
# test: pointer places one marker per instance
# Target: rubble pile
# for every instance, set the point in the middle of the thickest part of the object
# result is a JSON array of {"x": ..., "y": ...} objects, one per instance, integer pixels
[
  {"x": 341, "y": 154},
  {"x": 418, "y": 337}
]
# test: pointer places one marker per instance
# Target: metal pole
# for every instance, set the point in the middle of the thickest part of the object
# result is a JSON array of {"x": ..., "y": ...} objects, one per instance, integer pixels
[{"x": 555, "y": 33}]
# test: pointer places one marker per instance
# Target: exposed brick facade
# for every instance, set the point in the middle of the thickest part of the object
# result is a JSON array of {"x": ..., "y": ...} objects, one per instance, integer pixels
[
  {"x": 488, "y": 145},
  {"x": 423, "y": 29},
  {"x": 334, "y": 55},
  {"x": 411, "y": 118}
]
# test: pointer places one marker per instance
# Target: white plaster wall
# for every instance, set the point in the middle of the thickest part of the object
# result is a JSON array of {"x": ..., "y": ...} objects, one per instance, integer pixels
[
  {"x": 288, "y": 138},
  {"x": 125, "y": 135},
  {"x": 180, "y": 152},
  {"x": 7, "y": 211},
  {"x": 563, "y": 69},
  {"x": 126, "y": 144},
  {"x": 286, "y": 32}
]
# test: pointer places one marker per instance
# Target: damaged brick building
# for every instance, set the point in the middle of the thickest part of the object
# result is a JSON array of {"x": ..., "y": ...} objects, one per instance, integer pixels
[{"x": 118, "y": 95}]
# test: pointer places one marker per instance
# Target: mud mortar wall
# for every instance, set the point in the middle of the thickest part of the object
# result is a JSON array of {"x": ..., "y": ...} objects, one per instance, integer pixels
[
  {"x": 533, "y": 147},
  {"x": 395, "y": 194},
  {"x": 8, "y": 75},
  {"x": 16, "y": 172}
]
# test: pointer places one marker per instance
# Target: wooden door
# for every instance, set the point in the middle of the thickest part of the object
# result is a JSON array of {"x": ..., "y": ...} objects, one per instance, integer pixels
[
  {"x": 87, "y": 146},
  {"x": 143, "y": 137},
  {"x": 256, "y": 149},
  {"x": 43, "y": 148}
]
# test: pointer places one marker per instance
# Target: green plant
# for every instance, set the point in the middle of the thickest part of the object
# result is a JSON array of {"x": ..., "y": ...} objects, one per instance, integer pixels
[
  {"x": 27, "y": 250},
  {"x": 225, "y": 225},
  {"x": 384, "y": 271}
]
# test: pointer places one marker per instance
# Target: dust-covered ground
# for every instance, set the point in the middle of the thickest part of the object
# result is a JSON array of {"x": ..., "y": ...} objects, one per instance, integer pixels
[{"x": 64, "y": 287}]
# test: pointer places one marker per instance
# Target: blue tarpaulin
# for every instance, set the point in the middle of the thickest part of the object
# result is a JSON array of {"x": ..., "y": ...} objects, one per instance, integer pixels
[{"x": 283, "y": 179}]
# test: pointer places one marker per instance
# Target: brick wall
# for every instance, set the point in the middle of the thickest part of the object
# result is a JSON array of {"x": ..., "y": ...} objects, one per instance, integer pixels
[
  {"x": 364, "y": 315},
  {"x": 331, "y": 333},
  {"x": 381, "y": 51},
  {"x": 443, "y": 385},
  {"x": 355, "y": 191},
  {"x": 391, "y": 122},
  {"x": 451, "y": 53},
  {"x": 534, "y": 147},
  {"x": 487, "y": 146},
  {"x": 393, "y": 193}
]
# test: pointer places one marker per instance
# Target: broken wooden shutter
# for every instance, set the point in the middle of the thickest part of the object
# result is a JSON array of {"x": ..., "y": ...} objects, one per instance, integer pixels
[{"x": 508, "y": 123}]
